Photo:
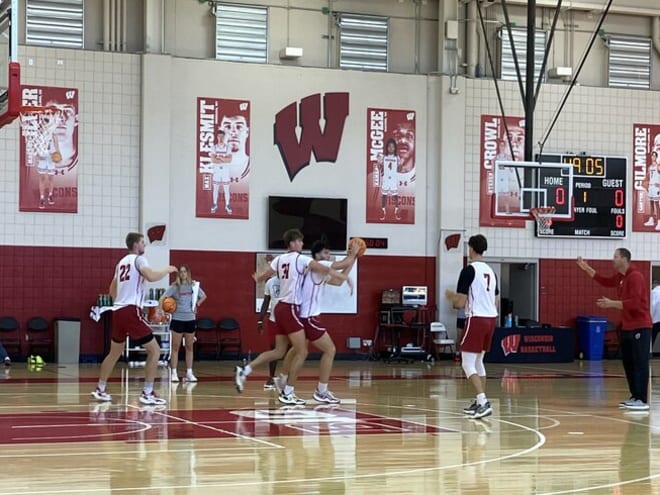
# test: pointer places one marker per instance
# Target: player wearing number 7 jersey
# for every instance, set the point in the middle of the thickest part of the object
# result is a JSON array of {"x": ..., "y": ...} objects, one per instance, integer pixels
[
  {"x": 127, "y": 291},
  {"x": 478, "y": 293}
]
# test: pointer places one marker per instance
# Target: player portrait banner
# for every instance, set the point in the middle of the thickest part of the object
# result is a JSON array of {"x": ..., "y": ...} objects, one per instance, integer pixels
[
  {"x": 646, "y": 177},
  {"x": 223, "y": 158},
  {"x": 48, "y": 179},
  {"x": 390, "y": 166},
  {"x": 495, "y": 146}
]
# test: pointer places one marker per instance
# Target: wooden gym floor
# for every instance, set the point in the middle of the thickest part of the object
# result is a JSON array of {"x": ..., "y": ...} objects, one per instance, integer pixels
[{"x": 555, "y": 429}]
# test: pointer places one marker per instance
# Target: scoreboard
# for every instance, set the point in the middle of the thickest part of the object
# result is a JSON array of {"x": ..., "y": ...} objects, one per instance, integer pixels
[{"x": 599, "y": 197}]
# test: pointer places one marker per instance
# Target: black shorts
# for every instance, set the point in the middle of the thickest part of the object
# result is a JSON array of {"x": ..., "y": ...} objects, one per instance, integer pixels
[{"x": 183, "y": 326}]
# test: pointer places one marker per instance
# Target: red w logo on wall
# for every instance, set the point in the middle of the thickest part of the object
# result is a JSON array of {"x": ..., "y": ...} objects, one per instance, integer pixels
[
  {"x": 510, "y": 344},
  {"x": 323, "y": 143}
]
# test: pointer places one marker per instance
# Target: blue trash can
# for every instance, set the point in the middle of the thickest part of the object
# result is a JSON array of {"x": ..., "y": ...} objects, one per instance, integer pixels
[{"x": 591, "y": 331}]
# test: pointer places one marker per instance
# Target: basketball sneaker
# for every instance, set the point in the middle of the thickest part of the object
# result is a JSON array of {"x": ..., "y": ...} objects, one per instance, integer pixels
[
  {"x": 240, "y": 379},
  {"x": 42, "y": 204},
  {"x": 636, "y": 405},
  {"x": 151, "y": 399},
  {"x": 471, "y": 409},
  {"x": 190, "y": 378},
  {"x": 228, "y": 209},
  {"x": 650, "y": 222},
  {"x": 214, "y": 208},
  {"x": 38, "y": 360},
  {"x": 326, "y": 397},
  {"x": 483, "y": 411},
  {"x": 101, "y": 395},
  {"x": 175, "y": 377},
  {"x": 622, "y": 404},
  {"x": 51, "y": 201},
  {"x": 291, "y": 400},
  {"x": 7, "y": 361},
  {"x": 269, "y": 385}
]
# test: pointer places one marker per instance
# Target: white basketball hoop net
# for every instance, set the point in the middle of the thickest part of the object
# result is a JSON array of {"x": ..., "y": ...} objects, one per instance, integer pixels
[
  {"x": 543, "y": 217},
  {"x": 37, "y": 127}
]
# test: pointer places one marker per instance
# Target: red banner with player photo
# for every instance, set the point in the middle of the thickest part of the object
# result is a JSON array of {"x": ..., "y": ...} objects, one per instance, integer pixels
[
  {"x": 495, "y": 146},
  {"x": 390, "y": 166},
  {"x": 646, "y": 175},
  {"x": 48, "y": 179},
  {"x": 223, "y": 158}
]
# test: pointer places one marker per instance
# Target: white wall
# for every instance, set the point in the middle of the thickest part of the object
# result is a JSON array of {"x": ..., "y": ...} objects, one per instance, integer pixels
[
  {"x": 109, "y": 147},
  {"x": 270, "y": 88}
]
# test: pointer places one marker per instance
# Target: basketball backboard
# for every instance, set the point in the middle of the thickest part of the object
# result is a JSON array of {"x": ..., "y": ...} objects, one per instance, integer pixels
[
  {"x": 521, "y": 186},
  {"x": 10, "y": 81}
]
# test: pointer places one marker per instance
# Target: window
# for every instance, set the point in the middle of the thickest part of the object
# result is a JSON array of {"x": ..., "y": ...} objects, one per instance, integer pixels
[
  {"x": 363, "y": 42},
  {"x": 507, "y": 65},
  {"x": 241, "y": 33},
  {"x": 54, "y": 23},
  {"x": 629, "y": 62}
]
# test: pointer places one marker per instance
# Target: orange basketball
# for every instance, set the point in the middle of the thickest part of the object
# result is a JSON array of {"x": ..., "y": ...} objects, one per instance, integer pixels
[
  {"x": 169, "y": 305},
  {"x": 359, "y": 243}
]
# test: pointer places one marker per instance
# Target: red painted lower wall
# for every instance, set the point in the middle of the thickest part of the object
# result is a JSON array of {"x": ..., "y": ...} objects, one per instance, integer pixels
[
  {"x": 65, "y": 282},
  {"x": 566, "y": 292}
]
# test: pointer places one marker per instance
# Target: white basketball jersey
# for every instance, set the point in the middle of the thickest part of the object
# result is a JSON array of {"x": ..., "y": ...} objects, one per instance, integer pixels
[
  {"x": 654, "y": 190},
  {"x": 390, "y": 164},
  {"x": 482, "y": 294},
  {"x": 290, "y": 269},
  {"x": 130, "y": 291},
  {"x": 221, "y": 149},
  {"x": 272, "y": 289},
  {"x": 311, "y": 291}
]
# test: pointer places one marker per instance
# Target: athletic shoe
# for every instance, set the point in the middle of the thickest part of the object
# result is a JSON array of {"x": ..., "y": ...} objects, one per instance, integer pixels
[
  {"x": 291, "y": 400},
  {"x": 151, "y": 399},
  {"x": 101, "y": 395},
  {"x": 42, "y": 204},
  {"x": 636, "y": 405},
  {"x": 214, "y": 208},
  {"x": 51, "y": 201},
  {"x": 228, "y": 209},
  {"x": 240, "y": 379},
  {"x": 622, "y": 404},
  {"x": 650, "y": 222},
  {"x": 483, "y": 411},
  {"x": 7, "y": 361},
  {"x": 190, "y": 378},
  {"x": 175, "y": 377},
  {"x": 471, "y": 409},
  {"x": 38, "y": 360},
  {"x": 269, "y": 385},
  {"x": 327, "y": 397}
]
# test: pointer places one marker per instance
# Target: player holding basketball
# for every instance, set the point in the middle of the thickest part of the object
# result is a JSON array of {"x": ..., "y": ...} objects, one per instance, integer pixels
[
  {"x": 653, "y": 190},
  {"x": 311, "y": 294},
  {"x": 633, "y": 301},
  {"x": 220, "y": 157},
  {"x": 390, "y": 184},
  {"x": 189, "y": 296},
  {"x": 290, "y": 268},
  {"x": 46, "y": 169},
  {"x": 478, "y": 293},
  {"x": 127, "y": 291}
]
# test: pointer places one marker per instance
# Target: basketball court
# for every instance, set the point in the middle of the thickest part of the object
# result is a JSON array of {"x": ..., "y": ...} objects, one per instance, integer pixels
[{"x": 555, "y": 429}]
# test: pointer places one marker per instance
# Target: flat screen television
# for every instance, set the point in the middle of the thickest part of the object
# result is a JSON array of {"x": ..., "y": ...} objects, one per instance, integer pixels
[{"x": 317, "y": 218}]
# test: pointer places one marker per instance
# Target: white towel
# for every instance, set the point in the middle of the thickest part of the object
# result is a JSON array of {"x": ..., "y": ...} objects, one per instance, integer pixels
[{"x": 195, "y": 294}]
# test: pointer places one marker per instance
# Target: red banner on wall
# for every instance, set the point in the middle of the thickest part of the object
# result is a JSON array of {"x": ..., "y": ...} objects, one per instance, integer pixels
[
  {"x": 223, "y": 158},
  {"x": 646, "y": 175},
  {"x": 390, "y": 166},
  {"x": 495, "y": 146},
  {"x": 49, "y": 151}
]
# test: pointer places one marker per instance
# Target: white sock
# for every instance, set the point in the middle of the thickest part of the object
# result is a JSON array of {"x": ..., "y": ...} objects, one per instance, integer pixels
[
  {"x": 247, "y": 370},
  {"x": 225, "y": 188},
  {"x": 148, "y": 388},
  {"x": 288, "y": 390},
  {"x": 481, "y": 399},
  {"x": 322, "y": 387},
  {"x": 189, "y": 372},
  {"x": 216, "y": 189},
  {"x": 101, "y": 385}
]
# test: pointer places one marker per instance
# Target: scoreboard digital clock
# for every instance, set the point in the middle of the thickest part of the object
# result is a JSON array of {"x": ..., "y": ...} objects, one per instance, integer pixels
[{"x": 598, "y": 197}]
